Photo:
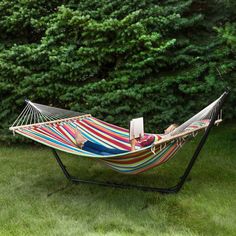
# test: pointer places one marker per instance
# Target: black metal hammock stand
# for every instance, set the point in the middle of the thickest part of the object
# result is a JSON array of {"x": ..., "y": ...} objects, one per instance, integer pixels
[{"x": 55, "y": 128}]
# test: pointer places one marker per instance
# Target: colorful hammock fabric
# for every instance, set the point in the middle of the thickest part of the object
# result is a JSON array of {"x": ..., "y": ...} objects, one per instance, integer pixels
[{"x": 56, "y": 127}]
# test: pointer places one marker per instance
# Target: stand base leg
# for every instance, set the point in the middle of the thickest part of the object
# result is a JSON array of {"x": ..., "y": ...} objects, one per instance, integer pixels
[{"x": 75, "y": 180}]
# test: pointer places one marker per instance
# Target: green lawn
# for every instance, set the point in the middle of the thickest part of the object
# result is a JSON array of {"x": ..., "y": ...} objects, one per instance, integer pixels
[{"x": 205, "y": 206}]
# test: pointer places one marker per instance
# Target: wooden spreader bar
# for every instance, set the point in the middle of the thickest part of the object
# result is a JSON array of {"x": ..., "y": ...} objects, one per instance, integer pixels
[{"x": 50, "y": 122}]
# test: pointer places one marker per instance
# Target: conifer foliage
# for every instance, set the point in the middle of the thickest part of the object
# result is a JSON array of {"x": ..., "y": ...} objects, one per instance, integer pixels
[{"x": 117, "y": 59}]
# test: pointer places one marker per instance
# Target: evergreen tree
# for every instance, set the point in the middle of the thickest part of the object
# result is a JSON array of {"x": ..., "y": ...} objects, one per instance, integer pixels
[{"x": 117, "y": 59}]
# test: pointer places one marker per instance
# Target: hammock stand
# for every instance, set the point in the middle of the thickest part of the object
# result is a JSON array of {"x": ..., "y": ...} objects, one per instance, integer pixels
[{"x": 173, "y": 189}]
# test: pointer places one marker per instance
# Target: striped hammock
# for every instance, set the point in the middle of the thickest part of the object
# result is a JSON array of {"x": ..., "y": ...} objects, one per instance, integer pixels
[{"x": 55, "y": 127}]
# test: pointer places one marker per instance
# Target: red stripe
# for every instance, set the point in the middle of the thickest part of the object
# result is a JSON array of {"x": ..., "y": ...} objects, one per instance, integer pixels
[
  {"x": 134, "y": 160},
  {"x": 110, "y": 133},
  {"x": 159, "y": 162},
  {"x": 63, "y": 132},
  {"x": 40, "y": 130},
  {"x": 70, "y": 130},
  {"x": 103, "y": 137},
  {"x": 46, "y": 142},
  {"x": 111, "y": 125}
]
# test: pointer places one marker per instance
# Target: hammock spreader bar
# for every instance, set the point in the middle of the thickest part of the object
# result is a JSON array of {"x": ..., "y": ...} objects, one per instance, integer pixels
[{"x": 173, "y": 189}]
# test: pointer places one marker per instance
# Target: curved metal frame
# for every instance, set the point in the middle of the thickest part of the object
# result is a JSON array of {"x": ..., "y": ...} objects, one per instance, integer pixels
[{"x": 174, "y": 189}]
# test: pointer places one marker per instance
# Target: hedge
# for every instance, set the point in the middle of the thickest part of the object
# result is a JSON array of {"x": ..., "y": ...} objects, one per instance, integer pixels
[{"x": 117, "y": 59}]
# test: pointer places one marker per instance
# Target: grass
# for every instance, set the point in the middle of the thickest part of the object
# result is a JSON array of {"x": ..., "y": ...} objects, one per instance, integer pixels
[{"x": 205, "y": 206}]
